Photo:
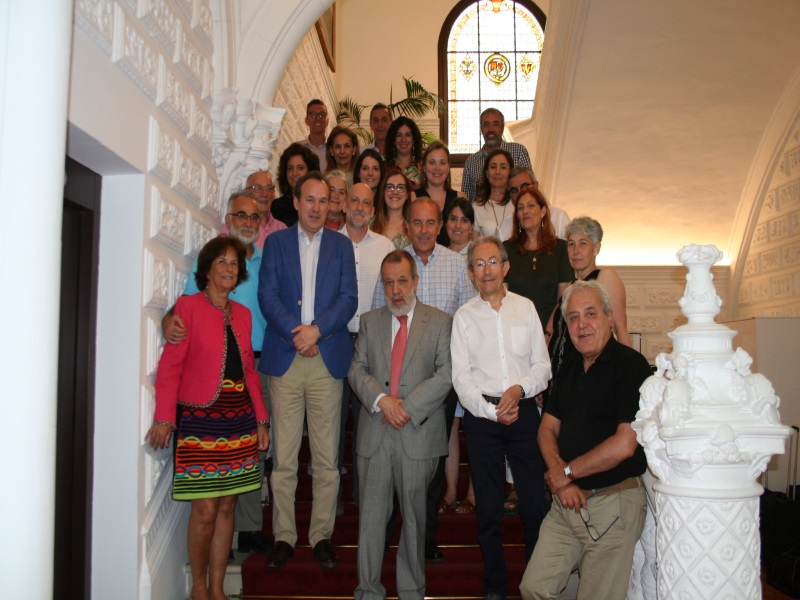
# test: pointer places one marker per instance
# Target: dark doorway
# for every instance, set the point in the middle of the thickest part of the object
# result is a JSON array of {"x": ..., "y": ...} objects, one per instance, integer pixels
[{"x": 76, "y": 360}]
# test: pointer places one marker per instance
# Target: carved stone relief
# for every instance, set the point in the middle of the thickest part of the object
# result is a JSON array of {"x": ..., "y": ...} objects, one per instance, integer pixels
[
  {"x": 174, "y": 99},
  {"x": 156, "y": 282},
  {"x": 200, "y": 236},
  {"x": 190, "y": 62},
  {"x": 178, "y": 284},
  {"x": 161, "y": 23},
  {"x": 186, "y": 8},
  {"x": 167, "y": 222},
  {"x": 655, "y": 297},
  {"x": 154, "y": 343},
  {"x": 203, "y": 24},
  {"x": 200, "y": 130},
  {"x": 190, "y": 178},
  {"x": 96, "y": 19},
  {"x": 304, "y": 78},
  {"x": 134, "y": 55}
]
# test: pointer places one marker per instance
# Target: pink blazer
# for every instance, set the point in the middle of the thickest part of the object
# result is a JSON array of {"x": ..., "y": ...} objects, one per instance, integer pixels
[{"x": 191, "y": 372}]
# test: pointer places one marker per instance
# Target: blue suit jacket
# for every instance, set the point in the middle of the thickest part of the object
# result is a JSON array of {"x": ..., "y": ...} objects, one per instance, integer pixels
[{"x": 280, "y": 292}]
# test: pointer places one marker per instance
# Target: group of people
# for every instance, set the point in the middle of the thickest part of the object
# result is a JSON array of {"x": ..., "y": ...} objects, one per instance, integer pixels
[{"x": 371, "y": 285}]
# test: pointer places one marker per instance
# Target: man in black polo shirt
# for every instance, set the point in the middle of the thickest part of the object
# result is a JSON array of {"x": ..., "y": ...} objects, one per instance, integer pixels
[{"x": 594, "y": 463}]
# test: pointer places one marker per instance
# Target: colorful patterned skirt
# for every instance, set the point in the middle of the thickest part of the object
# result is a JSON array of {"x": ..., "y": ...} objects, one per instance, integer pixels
[{"x": 216, "y": 453}]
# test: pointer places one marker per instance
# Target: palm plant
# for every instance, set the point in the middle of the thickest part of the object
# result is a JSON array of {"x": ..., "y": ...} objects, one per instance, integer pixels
[{"x": 417, "y": 102}]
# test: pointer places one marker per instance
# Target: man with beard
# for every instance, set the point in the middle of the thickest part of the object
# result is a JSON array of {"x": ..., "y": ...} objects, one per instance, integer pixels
[
  {"x": 402, "y": 426},
  {"x": 242, "y": 221},
  {"x": 492, "y": 125}
]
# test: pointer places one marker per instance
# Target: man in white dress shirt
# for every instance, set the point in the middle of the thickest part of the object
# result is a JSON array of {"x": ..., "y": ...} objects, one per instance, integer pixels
[
  {"x": 369, "y": 249},
  {"x": 500, "y": 363}
]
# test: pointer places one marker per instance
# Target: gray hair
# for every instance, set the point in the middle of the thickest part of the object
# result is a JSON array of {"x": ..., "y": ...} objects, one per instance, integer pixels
[
  {"x": 586, "y": 226},
  {"x": 486, "y": 239},
  {"x": 519, "y": 170},
  {"x": 236, "y": 195},
  {"x": 586, "y": 286},
  {"x": 341, "y": 175}
]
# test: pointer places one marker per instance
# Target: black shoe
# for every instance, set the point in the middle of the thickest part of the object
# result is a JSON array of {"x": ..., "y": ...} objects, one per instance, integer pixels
[
  {"x": 280, "y": 555},
  {"x": 254, "y": 541},
  {"x": 432, "y": 552},
  {"x": 325, "y": 554}
]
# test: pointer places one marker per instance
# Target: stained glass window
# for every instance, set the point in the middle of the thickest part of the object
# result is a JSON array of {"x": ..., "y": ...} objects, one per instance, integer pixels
[{"x": 491, "y": 51}]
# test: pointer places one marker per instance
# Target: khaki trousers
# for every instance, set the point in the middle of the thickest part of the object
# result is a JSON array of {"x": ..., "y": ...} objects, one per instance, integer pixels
[
  {"x": 565, "y": 543},
  {"x": 307, "y": 390}
]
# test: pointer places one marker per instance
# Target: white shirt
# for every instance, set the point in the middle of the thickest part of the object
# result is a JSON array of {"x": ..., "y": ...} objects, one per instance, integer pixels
[
  {"x": 560, "y": 220},
  {"x": 309, "y": 257},
  {"x": 395, "y": 329},
  {"x": 493, "y": 219},
  {"x": 369, "y": 254},
  {"x": 493, "y": 350}
]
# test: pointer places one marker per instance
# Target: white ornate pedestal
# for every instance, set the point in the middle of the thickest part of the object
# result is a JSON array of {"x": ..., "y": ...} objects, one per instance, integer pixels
[{"x": 709, "y": 427}]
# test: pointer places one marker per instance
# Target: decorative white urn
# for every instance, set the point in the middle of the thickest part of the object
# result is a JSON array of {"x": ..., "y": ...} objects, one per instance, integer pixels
[{"x": 709, "y": 427}]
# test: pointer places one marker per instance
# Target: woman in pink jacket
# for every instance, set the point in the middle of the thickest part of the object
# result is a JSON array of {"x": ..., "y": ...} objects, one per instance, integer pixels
[{"x": 208, "y": 392}]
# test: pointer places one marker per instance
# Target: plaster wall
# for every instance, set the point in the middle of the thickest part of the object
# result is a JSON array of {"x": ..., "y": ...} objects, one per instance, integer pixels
[{"x": 140, "y": 104}]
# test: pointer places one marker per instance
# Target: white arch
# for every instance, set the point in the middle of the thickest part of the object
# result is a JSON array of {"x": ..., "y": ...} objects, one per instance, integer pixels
[
  {"x": 783, "y": 123},
  {"x": 272, "y": 30}
]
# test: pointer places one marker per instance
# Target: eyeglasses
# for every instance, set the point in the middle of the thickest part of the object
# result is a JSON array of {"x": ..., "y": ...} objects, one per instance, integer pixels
[
  {"x": 591, "y": 529},
  {"x": 255, "y": 217},
  {"x": 516, "y": 190},
  {"x": 318, "y": 115},
  {"x": 400, "y": 187},
  {"x": 258, "y": 188},
  {"x": 482, "y": 264}
]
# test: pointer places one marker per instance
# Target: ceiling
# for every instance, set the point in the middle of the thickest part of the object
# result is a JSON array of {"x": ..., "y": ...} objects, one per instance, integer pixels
[{"x": 667, "y": 107}]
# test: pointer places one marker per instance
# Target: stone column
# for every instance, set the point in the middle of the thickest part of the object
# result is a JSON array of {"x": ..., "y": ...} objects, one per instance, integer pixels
[
  {"x": 34, "y": 83},
  {"x": 709, "y": 427}
]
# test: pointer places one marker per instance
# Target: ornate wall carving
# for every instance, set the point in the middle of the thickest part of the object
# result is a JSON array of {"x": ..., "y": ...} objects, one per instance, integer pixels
[
  {"x": 771, "y": 270},
  {"x": 652, "y": 300},
  {"x": 307, "y": 76},
  {"x": 165, "y": 48}
]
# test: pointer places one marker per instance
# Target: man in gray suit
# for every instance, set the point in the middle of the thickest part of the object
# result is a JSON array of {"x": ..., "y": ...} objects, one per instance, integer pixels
[{"x": 401, "y": 374}]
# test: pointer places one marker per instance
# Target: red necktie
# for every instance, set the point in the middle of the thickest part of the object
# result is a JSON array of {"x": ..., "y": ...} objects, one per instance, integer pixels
[{"x": 398, "y": 353}]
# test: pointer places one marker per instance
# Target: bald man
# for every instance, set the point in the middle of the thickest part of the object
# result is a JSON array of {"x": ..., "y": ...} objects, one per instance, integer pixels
[{"x": 369, "y": 249}]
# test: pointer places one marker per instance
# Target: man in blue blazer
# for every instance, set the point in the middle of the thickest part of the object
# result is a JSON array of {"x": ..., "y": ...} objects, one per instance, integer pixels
[{"x": 308, "y": 293}]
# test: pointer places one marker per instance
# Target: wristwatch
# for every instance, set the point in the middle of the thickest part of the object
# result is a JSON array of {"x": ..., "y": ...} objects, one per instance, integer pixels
[{"x": 568, "y": 473}]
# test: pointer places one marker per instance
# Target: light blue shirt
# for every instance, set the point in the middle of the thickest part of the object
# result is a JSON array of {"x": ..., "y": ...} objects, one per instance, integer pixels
[{"x": 246, "y": 293}]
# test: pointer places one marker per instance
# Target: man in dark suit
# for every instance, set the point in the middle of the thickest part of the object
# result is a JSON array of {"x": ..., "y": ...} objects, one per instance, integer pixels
[
  {"x": 308, "y": 293},
  {"x": 401, "y": 374}
]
